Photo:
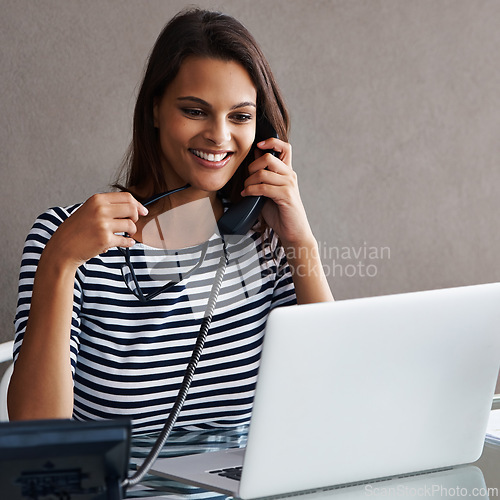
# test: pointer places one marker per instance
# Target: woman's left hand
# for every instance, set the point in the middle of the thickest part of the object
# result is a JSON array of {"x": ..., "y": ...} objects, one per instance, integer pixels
[{"x": 275, "y": 179}]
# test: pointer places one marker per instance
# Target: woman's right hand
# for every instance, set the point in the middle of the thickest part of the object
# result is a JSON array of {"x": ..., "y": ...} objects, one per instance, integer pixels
[{"x": 93, "y": 228}]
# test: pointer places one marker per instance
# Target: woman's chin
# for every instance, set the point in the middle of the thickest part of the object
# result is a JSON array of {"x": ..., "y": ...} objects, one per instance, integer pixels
[{"x": 209, "y": 187}]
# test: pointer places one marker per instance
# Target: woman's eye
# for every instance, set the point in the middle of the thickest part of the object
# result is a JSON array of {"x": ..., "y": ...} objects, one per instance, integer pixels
[
  {"x": 193, "y": 112},
  {"x": 242, "y": 117}
]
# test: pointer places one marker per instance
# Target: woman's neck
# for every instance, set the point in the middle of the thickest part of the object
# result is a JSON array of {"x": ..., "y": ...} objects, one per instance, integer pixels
[{"x": 181, "y": 220}]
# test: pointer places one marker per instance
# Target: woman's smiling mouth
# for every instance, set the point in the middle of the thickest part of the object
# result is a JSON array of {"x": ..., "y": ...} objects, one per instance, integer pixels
[
  {"x": 210, "y": 156},
  {"x": 212, "y": 159}
]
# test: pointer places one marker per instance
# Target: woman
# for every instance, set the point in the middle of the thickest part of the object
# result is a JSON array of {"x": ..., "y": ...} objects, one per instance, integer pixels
[{"x": 98, "y": 333}]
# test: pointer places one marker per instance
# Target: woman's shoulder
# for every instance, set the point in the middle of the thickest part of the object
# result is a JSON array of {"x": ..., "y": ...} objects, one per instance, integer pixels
[
  {"x": 57, "y": 215},
  {"x": 47, "y": 222}
]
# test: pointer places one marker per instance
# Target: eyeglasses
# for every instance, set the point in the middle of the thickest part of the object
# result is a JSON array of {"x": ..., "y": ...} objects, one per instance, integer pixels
[{"x": 129, "y": 274}]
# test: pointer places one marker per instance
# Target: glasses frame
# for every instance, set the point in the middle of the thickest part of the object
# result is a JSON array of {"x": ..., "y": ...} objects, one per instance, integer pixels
[{"x": 143, "y": 297}]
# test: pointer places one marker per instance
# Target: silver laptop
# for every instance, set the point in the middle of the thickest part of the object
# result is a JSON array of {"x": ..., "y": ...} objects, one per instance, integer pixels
[{"x": 361, "y": 389}]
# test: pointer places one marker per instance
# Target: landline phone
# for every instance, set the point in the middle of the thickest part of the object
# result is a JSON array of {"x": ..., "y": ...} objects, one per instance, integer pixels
[{"x": 239, "y": 218}]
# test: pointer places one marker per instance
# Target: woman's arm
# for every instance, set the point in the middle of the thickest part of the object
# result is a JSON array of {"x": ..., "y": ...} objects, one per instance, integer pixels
[
  {"x": 307, "y": 272},
  {"x": 274, "y": 178},
  {"x": 42, "y": 383}
]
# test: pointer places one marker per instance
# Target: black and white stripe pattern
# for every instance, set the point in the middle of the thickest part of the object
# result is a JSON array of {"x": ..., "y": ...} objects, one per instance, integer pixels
[{"x": 129, "y": 357}]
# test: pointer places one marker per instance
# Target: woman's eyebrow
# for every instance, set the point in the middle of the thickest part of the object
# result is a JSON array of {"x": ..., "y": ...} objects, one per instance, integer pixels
[
  {"x": 244, "y": 105},
  {"x": 208, "y": 105}
]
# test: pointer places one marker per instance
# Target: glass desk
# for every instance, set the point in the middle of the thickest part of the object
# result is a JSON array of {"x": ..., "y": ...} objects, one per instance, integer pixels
[{"x": 479, "y": 480}]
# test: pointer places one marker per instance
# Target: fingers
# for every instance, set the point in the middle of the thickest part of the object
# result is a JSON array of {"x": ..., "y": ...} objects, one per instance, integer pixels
[
  {"x": 117, "y": 205},
  {"x": 117, "y": 215},
  {"x": 112, "y": 240},
  {"x": 104, "y": 221},
  {"x": 120, "y": 241},
  {"x": 281, "y": 164},
  {"x": 271, "y": 176},
  {"x": 269, "y": 162},
  {"x": 284, "y": 149},
  {"x": 121, "y": 226},
  {"x": 111, "y": 213},
  {"x": 271, "y": 185},
  {"x": 117, "y": 211}
]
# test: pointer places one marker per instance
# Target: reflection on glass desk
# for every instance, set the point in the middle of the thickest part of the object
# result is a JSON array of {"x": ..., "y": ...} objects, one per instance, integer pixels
[{"x": 479, "y": 480}]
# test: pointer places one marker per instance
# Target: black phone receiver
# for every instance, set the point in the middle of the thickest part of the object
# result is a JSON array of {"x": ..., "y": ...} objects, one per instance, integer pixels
[{"x": 239, "y": 218}]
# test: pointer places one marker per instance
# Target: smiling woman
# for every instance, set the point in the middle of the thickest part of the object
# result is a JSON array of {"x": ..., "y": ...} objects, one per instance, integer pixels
[{"x": 108, "y": 312}]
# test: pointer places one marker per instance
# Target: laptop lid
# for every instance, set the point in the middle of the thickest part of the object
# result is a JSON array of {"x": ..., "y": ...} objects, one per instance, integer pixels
[{"x": 372, "y": 387}]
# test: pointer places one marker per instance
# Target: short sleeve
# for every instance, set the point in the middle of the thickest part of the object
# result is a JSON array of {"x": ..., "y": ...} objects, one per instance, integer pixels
[{"x": 41, "y": 232}]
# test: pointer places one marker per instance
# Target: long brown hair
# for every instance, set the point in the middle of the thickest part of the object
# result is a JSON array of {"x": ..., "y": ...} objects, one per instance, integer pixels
[{"x": 200, "y": 33}]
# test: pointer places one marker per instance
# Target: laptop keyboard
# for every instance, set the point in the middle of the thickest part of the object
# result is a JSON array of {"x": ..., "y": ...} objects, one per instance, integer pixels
[{"x": 231, "y": 473}]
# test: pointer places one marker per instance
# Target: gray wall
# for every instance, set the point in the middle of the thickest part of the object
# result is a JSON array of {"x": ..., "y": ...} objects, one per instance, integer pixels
[{"x": 396, "y": 125}]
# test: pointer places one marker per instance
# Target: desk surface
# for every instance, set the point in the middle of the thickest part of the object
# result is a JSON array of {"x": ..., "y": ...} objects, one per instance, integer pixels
[{"x": 484, "y": 474}]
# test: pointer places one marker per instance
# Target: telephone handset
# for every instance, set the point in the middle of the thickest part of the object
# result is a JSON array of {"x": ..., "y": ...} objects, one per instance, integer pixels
[{"x": 239, "y": 218}]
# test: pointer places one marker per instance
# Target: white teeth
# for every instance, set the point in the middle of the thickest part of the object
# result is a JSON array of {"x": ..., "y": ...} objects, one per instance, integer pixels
[{"x": 209, "y": 156}]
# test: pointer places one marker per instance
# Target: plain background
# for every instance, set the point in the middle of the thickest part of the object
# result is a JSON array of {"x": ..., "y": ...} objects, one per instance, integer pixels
[{"x": 395, "y": 109}]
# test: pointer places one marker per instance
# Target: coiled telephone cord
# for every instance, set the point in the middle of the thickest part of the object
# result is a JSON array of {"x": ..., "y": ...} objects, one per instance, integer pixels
[{"x": 188, "y": 377}]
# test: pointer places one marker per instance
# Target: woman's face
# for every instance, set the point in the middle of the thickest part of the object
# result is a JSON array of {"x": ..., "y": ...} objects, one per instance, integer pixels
[{"x": 206, "y": 122}]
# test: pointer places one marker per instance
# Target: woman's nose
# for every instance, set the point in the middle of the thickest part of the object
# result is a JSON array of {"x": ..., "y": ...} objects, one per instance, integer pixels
[{"x": 218, "y": 131}]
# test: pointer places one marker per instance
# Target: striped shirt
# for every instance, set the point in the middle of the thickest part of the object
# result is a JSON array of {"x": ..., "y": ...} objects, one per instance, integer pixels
[{"x": 128, "y": 357}]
